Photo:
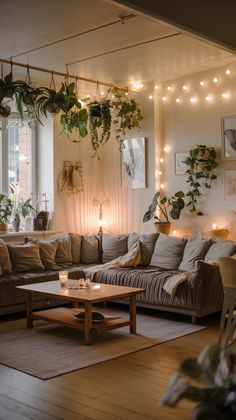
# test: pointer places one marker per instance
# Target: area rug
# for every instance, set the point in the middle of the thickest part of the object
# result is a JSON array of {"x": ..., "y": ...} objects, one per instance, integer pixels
[{"x": 50, "y": 350}]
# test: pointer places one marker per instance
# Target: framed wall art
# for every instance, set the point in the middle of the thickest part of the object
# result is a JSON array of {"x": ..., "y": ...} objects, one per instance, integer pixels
[
  {"x": 133, "y": 163},
  {"x": 230, "y": 184},
  {"x": 228, "y": 137},
  {"x": 180, "y": 166}
]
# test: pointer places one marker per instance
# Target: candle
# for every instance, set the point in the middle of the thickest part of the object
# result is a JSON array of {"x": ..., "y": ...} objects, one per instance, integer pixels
[{"x": 63, "y": 277}]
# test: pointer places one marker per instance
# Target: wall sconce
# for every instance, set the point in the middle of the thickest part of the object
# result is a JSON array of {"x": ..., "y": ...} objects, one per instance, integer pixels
[{"x": 101, "y": 204}]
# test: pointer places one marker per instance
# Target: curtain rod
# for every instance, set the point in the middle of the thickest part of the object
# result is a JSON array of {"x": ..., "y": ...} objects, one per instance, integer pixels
[{"x": 58, "y": 73}]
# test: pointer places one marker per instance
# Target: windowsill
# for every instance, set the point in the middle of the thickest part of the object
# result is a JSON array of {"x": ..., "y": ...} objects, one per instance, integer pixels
[{"x": 38, "y": 234}]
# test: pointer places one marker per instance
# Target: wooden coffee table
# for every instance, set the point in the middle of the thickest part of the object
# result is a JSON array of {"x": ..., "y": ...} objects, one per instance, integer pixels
[{"x": 88, "y": 296}]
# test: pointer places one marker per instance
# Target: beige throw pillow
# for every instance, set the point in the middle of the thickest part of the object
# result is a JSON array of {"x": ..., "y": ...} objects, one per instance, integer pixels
[
  {"x": 63, "y": 253},
  {"x": 76, "y": 247},
  {"x": 25, "y": 257},
  {"x": 47, "y": 252},
  {"x": 132, "y": 258},
  {"x": 5, "y": 261}
]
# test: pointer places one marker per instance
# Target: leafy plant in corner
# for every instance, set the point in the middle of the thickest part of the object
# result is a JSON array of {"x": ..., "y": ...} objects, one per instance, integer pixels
[
  {"x": 162, "y": 203},
  {"x": 127, "y": 113},
  {"x": 214, "y": 369},
  {"x": 201, "y": 163}
]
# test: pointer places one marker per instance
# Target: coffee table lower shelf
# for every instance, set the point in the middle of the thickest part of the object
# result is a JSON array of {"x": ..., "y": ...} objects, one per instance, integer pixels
[{"x": 66, "y": 317}]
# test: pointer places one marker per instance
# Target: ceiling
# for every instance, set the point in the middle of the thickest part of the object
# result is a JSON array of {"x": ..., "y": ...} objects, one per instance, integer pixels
[{"x": 60, "y": 34}]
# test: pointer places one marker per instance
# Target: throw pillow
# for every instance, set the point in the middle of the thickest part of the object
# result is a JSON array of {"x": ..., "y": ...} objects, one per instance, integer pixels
[
  {"x": 113, "y": 246},
  {"x": 132, "y": 258},
  {"x": 195, "y": 250},
  {"x": 168, "y": 252},
  {"x": 147, "y": 243},
  {"x": 75, "y": 247},
  {"x": 63, "y": 253},
  {"x": 220, "y": 249},
  {"x": 90, "y": 249},
  {"x": 5, "y": 261},
  {"x": 25, "y": 257},
  {"x": 47, "y": 252}
]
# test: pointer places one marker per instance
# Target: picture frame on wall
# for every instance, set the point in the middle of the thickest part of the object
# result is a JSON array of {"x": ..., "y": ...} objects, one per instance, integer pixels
[
  {"x": 133, "y": 163},
  {"x": 228, "y": 137},
  {"x": 180, "y": 165},
  {"x": 230, "y": 184}
]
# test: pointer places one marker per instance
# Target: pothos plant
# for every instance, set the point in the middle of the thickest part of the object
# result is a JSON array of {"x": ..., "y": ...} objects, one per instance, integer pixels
[
  {"x": 99, "y": 122},
  {"x": 201, "y": 164}
]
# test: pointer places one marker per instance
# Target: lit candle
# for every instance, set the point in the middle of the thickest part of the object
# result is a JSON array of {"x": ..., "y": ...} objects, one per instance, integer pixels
[{"x": 63, "y": 277}]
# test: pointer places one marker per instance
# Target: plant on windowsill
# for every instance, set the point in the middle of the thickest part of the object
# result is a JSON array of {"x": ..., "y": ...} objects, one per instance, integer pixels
[
  {"x": 201, "y": 164},
  {"x": 21, "y": 208},
  {"x": 214, "y": 370},
  {"x": 6, "y": 207},
  {"x": 162, "y": 204}
]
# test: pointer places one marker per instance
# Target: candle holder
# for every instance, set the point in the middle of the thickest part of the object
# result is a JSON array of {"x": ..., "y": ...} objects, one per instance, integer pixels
[{"x": 63, "y": 277}]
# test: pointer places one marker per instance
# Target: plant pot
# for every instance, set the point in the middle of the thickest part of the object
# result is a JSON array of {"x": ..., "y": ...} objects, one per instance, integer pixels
[
  {"x": 16, "y": 225},
  {"x": 41, "y": 223},
  {"x": 3, "y": 227},
  {"x": 53, "y": 108},
  {"x": 163, "y": 227}
]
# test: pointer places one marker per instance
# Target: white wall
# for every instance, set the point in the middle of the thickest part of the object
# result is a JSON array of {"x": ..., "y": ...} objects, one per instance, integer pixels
[{"x": 185, "y": 126}]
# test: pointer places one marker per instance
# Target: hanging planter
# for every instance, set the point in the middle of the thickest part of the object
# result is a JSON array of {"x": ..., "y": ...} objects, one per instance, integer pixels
[{"x": 99, "y": 123}]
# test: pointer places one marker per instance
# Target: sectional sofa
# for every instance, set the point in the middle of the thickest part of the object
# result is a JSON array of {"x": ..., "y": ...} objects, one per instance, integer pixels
[{"x": 188, "y": 264}]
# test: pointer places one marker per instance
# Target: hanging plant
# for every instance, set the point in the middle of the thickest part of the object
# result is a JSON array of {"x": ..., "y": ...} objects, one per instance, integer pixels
[
  {"x": 201, "y": 164},
  {"x": 127, "y": 113},
  {"x": 10, "y": 89},
  {"x": 99, "y": 123},
  {"x": 75, "y": 117}
]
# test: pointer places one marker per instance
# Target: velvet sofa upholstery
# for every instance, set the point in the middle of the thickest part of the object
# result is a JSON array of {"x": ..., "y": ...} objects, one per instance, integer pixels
[{"x": 161, "y": 258}]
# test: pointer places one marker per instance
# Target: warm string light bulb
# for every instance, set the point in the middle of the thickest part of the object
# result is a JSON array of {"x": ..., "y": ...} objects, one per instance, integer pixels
[
  {"x": 169, "y": 88},
  {"x": 227, "y": 72},
  {"x": 161, "y": 160},
  {"x": 184, "y": 87},
  {"x": 215, "y": 79},
  {"x": 177, "y": 100},
  {"x": 150, "y": 97},
  {"x": 202, "y": 83},
  {"x": 164, "y": 98},
  {"x": 193, "y": 99},
  {"x": 156, "y": 87},
  {"x": 208, "y": 98}
]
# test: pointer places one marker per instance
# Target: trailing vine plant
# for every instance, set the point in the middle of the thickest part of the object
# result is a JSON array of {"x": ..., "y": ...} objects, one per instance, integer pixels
[{"x": 201, "y": 164}]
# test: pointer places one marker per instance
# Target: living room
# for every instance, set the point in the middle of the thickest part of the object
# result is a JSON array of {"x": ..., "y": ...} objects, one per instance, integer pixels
[{"x": 185, "y": 88}]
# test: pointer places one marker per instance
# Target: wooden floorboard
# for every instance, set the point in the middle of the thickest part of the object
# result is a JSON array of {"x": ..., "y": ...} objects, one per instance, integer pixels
[{"x": 129, "y": 387}]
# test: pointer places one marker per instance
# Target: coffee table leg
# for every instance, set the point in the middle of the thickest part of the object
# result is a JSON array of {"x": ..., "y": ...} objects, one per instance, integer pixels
[
  {"x": 29, "y": 310},
  {"x": 88, "y": 323},
  {"x": 132, "y": 311}
]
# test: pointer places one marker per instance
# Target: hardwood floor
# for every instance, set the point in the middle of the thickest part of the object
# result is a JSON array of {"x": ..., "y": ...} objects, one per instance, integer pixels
[{"x": 129, "y": 387}]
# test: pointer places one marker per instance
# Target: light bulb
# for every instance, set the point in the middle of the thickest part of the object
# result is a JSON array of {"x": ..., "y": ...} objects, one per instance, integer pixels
[
  {"x": 215, "y": 80},
  {"x": 161, "y": 160},
  {"x": 162, "y": 185},
  {"x": 169, "y": 88},
  {"x": 184, "y": 87},
  {"x": 164, "y": 98},
  {"x": 174, "y": 232},
  {"x": 150, "y": 97},
  {"x": 193, "y": 100},
  {"x": 202, "y": 83},
  {"x": 177, "y": 100},
  {"x": 159, "y": 173},
  {"x": 227, "y": 72},
  {"x": 225, "y": 95},
  {"x": 166, "y": 149},
  {"x": 156, "y": 87},
  {"x": 208, "y": 98}
]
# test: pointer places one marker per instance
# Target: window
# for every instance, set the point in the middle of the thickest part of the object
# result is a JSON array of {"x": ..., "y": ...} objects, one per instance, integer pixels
[{"x": 17, "y": 154}]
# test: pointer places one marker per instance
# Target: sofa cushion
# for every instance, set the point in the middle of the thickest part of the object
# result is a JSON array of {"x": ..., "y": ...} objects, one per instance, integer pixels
[
  {"x": 47, "y": 252},
  {"x": 147, "y": 243},
  {"x": 113, "y": 246},
  {"x": 168, "y": 252},
  {"x": 90, "y": 249},
  {"x": 194, "y": 250},
  {"x": 63, "y": 253},
  {"x": 220, "y": 248},
  {"x": 25, "y": 257},
  {"x": 132, "y": 258},
  {"x": 76, "y": 247},
  {"x": 5, "y": 261}
]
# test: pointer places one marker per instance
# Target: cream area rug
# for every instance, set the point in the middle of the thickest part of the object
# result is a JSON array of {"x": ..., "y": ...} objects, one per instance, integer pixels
[{"x": 50, "y": 350}]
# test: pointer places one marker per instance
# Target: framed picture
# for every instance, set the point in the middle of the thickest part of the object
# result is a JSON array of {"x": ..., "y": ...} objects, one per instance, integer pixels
[
  {"x": 180, "y": 166},
  {"x": 228, "y": 136},
  {"x": 230, "y": 184},
  {"x": 133, "y": 165}
]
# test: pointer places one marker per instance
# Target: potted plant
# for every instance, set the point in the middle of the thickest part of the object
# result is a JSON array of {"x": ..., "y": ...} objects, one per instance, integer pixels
[
  {"x": 214, "y": 370},
  {"x": 6, "y": 207},
  {"x": 21, "y": 208},
  {"x": 41, "y": 220},
  {"x": 162, "y": 203},
  {"x": 201, "y": 164},
  {"x": 99, "y": 116},
  {"x": 127, "y": 113}
]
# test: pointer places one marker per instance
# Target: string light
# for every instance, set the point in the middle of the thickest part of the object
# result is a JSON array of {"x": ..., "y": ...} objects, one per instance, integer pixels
[
  {"x": 156, "y": 87},
  {"x": 161, "y": 160},
  {"x": 225, "y": 95},
  {"x": 177, "y": 100},
  {"x": 227, "y": 72},
  {"x": 150, "y": 97},
  {"x": 169, "y": 88},
  {"x": 160, "y": 173},
  {"x": 208, "y": 98},
  {"x": 164, "y": 98},
  {"x": 202, "y": 83},
  {"x": 137, "y": 85},
  {"x": 162, "y": 186},
  {"x": 193, "y": 99},
  {"x": 215, "y": 79},
  {"x": 184, "y": 87}
]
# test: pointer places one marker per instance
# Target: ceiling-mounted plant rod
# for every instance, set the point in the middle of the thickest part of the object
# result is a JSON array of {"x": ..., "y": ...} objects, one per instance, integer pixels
[{"x": 62, "y": 74}]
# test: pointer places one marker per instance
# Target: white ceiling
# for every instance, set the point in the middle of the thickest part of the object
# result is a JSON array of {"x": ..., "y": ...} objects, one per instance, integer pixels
[{"x": 26, "y": 25}]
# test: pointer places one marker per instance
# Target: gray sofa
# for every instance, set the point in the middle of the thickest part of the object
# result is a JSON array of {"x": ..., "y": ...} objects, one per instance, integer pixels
[{"x": 162, "y": 257}]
